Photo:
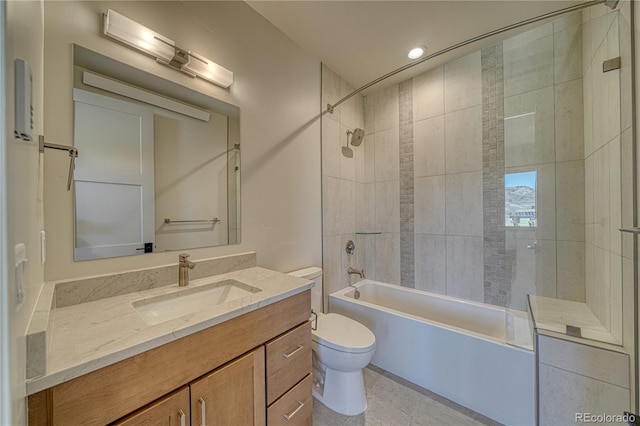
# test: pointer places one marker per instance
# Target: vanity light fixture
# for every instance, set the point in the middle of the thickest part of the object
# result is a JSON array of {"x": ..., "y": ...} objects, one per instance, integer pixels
[
  {"x": 417, "y": 52},
  {"x": 163, "y": 49}
]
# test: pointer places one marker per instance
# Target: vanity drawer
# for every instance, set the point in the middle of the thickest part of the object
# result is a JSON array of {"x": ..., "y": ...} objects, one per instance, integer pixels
[
  {"x": 296, "y": 405},
  {"x": 288, "y": 360}
]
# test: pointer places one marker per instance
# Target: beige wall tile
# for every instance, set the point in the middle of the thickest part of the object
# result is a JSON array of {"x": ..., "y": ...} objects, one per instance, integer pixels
[
  {"x": 347, "y": 164},
  {"x": 529, "y": 128},
  {"x": 431, "y": 261},
  {"x": 569, "y": 121},
  {"x": 348, "y": 114},
  {"x": 388, "y": 206},
  {"x": 428, "y": 94},
  {"x": 599, "y": 289},
  {"x": 385, "y": 108},
  {"x": 596, "y": 363},
  {"x": 601, "y": 197},
  {"x": 465, "y": 268},
  {"x": 428, "y": 147},
  {"x": 331, "y": 265},
  {"x": 388, "y": 258},
  {"x": 330, "y": 147},
  {"x": 387, "y": 155},
  {"x": 331, "y": 90},
  {"x": 463, "y": 83},
  {"x": 568, "y": 53},
  {"x": 615, "y": 197},
  {"x": 531, "y": 265},
  {"x": 537, "y": 33},
  {"x": 464, "y": 215},
  {"x": 571, "y": 267},
  {"x": 563, "y": 394},
  {"x": 528, "y": 66},
  {"x": 429, "y": 205},
  {"x": 570, "y": 219},
  {"x": 338, "y": 206},
  {"x": 616, "y": 296},
  {"x": 463, "y": 140}
]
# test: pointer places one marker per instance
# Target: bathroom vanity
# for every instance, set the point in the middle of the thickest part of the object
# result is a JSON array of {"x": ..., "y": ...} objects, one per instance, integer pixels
[{"x": 248, "y": 363}]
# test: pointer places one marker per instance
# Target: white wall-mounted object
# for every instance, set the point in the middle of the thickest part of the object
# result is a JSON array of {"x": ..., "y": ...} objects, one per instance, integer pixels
[
  {"x": 24, "y": 101},
  {"x": 20, "y": 260},
  {"x": 141, "y": 38},
  {"x": 114, "y": 86}
]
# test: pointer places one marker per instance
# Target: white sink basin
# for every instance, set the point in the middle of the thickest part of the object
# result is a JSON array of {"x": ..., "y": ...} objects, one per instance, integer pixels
[{"x": 158, "y": 309}]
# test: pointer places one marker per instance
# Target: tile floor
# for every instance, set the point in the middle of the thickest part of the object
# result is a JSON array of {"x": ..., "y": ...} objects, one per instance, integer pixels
[{"x": 395, "y": 402}]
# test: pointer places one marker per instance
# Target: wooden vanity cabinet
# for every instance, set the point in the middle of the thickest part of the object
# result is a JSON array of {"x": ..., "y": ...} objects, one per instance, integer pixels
[
  {"x": 224, "y": 365},
  {"x": 231, "y": 395}
]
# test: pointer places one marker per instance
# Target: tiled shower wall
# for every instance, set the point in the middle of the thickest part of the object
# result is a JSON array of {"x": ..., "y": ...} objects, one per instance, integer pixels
[
  {"x": 516, "y": 106},
  {"x": 428, "y": 183},
  {"x": 342, "y": 183},
  {"x": 608, "y": 140}
]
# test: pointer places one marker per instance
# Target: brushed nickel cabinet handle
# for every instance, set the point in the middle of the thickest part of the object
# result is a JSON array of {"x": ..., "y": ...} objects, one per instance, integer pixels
[
  {"x": 289, "y": 416},
  {"x": 183, "y": 418},
  {"x": 203, "y": 412},
  {"x": 287, "y": 356}
]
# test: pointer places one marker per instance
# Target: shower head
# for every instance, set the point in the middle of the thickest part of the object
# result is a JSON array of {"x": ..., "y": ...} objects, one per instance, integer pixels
[
  {"x": 356, "y": 137},
  {"x": 347, "y": 152}
]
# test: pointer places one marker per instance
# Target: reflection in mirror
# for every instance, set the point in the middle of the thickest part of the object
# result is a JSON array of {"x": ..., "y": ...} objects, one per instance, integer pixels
[{"x": 159, "y": 168}]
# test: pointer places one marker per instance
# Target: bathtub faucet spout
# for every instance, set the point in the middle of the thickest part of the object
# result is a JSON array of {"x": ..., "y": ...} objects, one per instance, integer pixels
[{"x": 352, "y": 271}]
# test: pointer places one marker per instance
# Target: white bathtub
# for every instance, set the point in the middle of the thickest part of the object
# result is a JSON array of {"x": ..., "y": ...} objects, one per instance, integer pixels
[{"x": 452, "y": 347}]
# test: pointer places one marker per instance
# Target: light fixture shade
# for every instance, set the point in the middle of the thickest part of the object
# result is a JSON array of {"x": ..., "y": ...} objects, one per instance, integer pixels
[
  {"x": 138, "y": 36},
  {"x": 209, "y": 70},
  {"x": 165, "y": 51}
]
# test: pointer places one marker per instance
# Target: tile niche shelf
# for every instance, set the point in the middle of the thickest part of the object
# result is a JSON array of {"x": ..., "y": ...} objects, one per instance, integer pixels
[{"x": 562, "y": 316}]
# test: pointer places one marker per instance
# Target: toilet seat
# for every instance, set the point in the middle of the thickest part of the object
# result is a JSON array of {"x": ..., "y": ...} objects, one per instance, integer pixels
[{"x": 343, "y": 334}]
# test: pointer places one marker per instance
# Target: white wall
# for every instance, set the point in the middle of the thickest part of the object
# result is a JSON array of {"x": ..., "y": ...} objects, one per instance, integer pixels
[
  {"x": 277, "y": 87},
  {"x": 190, "y": 180},
  {"x": 24, "y": 201}
]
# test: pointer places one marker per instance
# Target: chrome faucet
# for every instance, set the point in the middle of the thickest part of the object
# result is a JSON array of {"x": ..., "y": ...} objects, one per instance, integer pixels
[
  {"x": 183, "y": 270},
  {"x": 352, "y": 271}
]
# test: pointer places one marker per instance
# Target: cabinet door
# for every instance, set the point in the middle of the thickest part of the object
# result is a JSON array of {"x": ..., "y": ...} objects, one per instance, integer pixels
[
  {"x": 232, "y": 395},
  {"x": 172, "y": 410}
]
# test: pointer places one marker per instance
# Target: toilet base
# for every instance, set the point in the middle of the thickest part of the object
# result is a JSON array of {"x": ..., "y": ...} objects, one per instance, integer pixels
[{"x": 343, "y": 392}]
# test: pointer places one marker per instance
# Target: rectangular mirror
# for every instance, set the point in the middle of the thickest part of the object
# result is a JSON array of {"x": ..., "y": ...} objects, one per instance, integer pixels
[{"x": 158, "y": 166}]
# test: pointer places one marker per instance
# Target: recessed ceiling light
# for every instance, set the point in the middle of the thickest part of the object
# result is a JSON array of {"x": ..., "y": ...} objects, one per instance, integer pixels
[{"x": 417, "y": 52}]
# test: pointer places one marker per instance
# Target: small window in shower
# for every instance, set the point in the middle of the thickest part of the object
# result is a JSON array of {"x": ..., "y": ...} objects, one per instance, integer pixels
[{"x": 520, "y": 199}]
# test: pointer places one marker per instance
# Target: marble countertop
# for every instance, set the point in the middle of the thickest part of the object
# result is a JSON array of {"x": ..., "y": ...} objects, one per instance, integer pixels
[{"x": 92, "y": 335}]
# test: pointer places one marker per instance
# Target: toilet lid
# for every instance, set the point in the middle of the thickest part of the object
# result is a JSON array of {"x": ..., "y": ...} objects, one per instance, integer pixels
[{"x": 343, "y": 334}]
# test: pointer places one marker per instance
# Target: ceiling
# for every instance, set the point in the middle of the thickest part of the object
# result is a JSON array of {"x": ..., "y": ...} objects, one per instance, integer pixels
[{"x": 363, "y": 40}]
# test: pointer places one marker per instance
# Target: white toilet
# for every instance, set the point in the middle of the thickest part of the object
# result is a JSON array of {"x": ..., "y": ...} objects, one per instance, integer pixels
[{"x": 342, "y": 347}]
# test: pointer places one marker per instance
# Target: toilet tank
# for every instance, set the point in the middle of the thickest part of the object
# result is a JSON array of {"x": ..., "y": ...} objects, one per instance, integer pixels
[{"x": 313, "y": 274}]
